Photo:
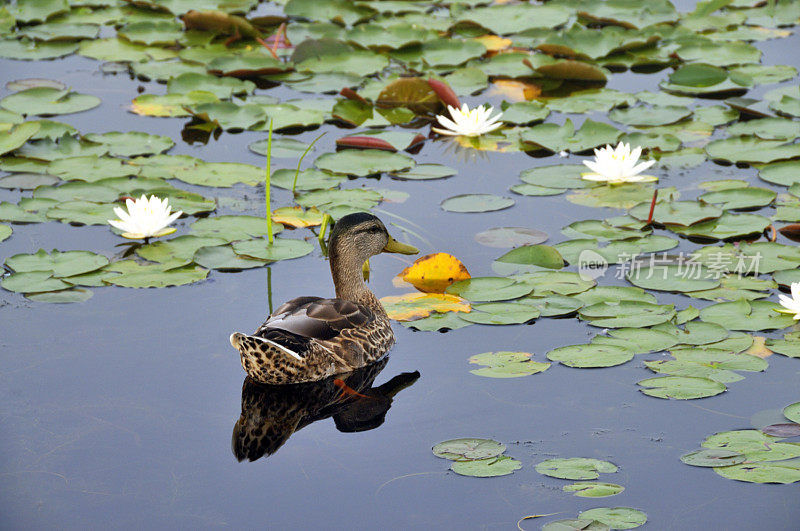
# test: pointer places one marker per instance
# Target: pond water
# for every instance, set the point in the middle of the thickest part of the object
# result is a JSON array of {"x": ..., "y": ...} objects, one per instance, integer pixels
[{"x": 119, "y": 411}]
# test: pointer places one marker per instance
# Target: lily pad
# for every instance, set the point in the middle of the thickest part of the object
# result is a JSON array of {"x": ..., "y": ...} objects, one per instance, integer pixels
[
  {"x": 681, "y": 387},
  {"x": 46, "y": 101},
  {"x": 575, "y": 468},
  {"x": 132, "y": 143},
  {"x": 504, "y": 237},
  {"x": 616, "y": 517},
  {"x": 33, "y": 282},
  {"x": 135, "y": 275},
  {"x": 746, "y": 315},
  {"x": 713, "y": 457},
  {"x": 476, "y": 203},
  {"x": 58, "y": 264},
  {"x": 280, "y": 249},
  {"x": 593, "y": 489},
  {"x": 506, "y": 364},
  {"x": 626, "y": 314},
  {"x": 363, "y": 162},
  {"x": 468, "y": 449},
  {"x": 486, "y": 468},
  {"x": 590, "y": 356}
]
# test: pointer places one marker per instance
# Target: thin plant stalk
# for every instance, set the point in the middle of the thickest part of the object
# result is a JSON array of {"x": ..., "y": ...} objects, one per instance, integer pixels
[
  {"x": 299, "y": 162},
  {"x": 267, "y": 190},
  {"x": 269, "y": 288},
  {"x": 323, "y": 228}
]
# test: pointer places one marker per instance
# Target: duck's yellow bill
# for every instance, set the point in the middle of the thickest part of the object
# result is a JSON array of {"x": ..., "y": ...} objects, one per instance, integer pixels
[{"x": 395, "y": 246}]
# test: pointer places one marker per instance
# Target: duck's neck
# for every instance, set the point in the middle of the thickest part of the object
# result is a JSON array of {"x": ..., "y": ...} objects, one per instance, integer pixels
[{"x": 348, "y": 278}]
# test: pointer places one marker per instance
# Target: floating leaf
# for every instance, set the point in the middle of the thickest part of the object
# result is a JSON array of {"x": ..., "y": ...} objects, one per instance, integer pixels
[
  {"x": 433, "y": 273},
  {"x": 417, "y": 305},
  {"x": 506, "y": 364},
  {"x": 575, "y": 468},
  {"x": 58, "y": 264},
  {"x": 593, "y": 489},
  {"x": 476, "y": 203},
  {"x": 504, "y": 237},
  {"x": 18, "y": 135},
  {"x": 502, "y": 313},
  {"x": 792, "y": 412},
  {"x": 132, "y": 143},
  {"x": 468, "y": 449},
  {"x": 486, "y": 468},
  {"x": 232, "y": 228},
  {"x": 62, "y": 296},
  {"x": 33, "y": 282},
  {"x": 363, "y": 162},
  {"x": 626, "y": 314},
  {"x": 534, "y": 255},
  {"x": 135, "y": 275},
  {"x": 681, "y": 387},
  {"x": 46, "y": 101},
  {"x": 746, "y": 315},
  {"x": 222, "y": 257},
  {"x": 279, "y": 249},
  {"x": 713, "y": 457},
  {"x": 616, "y": 517},
  {"x": 590, "y": 356}
]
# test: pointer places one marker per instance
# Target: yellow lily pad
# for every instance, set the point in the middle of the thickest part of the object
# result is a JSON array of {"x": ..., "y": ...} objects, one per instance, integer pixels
[
  {"x": 418, "y": 305},
  {"x": 432, "y": 273}
]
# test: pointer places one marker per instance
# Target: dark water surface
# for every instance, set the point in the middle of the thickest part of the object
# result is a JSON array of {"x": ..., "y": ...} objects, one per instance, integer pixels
[{"x": 118, "y": 412}]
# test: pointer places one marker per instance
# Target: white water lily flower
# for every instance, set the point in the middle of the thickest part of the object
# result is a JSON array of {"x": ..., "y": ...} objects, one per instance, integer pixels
[
  {"x": 145, "y": 218},
  {"x": 468, "y": 122},
  {"x": 618, "y": 166},
  {"x": 791, "y": 305}
]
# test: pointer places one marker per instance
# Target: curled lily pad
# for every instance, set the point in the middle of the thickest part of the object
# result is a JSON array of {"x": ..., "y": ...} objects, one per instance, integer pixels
[
  {"x": 506, "y": 364},
  {"x": 575, "y": 468},
  {"x": 468, "y": 449}
]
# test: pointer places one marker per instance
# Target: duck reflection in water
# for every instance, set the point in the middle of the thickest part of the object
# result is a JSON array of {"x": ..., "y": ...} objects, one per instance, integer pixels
[{"x": 272, "y": 413}]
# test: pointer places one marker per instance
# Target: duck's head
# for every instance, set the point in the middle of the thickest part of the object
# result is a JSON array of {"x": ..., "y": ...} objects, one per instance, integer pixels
[{"x": 362, "y": 235}]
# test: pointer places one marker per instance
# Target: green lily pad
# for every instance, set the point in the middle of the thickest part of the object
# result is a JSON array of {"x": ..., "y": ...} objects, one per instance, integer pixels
[
  {"x": 534, "y": 255},
  {"x": 33, "y": 282},
  {"x": 673, "y": 277},
  {"x": 47, "y": 101},
  {"x": 616, "y": 517},
  {"x": 590, "y": 356},
  {"x": 746, "y": 315},
  {"x": 501, "y": 313},
  {"x": 593, "y": 489},
  {"x": 228, "y": 115},
  {"x": 132, "y": 143},
  {"x": 486, "y": 289},
  {"x": 62, "y": 296},
  {"x": 468, "y": 449},
  {"x": 683, "y": 213},
  {"x": 176, "y": 251},
  {"x": 792, "y": 412},
  {"x": 82, "y": 212},
  {"x": 223, "y": 257},
  {"x": 558, "y": 177},
  {"x": 575, "y": 468},
  {"x": 280, "y": 249},
  {"x": 554, "y": 137},
  {"x": 309, "y": 179},
  {"x": 713, "y": 457},
  {"x": 575, "y": 524},
  {"x": 784, "y": 173},
  {"x": 626, "y": 314},
  {"x": 170, "y": 105},
  {"x": 135, "y": 275},
  {"x": 363, "y": 162},
  {"x": 18, "y": 135},
  {"x": 486, "y": 468},
  {"x": 5, "y": 232},
  {"x": 784, "y": 473},
  {"x": 476, "y": 203},
  {"x": 504, "y": 237},
  {"x": 681, "y": 387},
  {"x": 338, "y": 203},
  {"x": 726, "y": 226},
  {"x": 649, "y": 116},
  {"x": 751, "y": 149},
  {"x": 425, "y": 172},
  {"x": 602, "y": 100},
  {"x": 233, "y": 228},
  {"x": 91, "y": 168},
  {"x": 221, "y": 174},
  {"x": 506, "y": 364},
  {"x": 58, "y": 264},
  {"x": 31, "y": 50}
]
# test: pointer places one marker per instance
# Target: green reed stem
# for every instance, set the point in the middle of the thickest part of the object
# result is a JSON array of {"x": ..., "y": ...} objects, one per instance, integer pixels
[
  {"x": 299, "y": 162},
  {"x": 267, "y": 190}
]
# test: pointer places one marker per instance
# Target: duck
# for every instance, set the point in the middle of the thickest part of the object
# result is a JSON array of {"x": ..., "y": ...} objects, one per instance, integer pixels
[{"x": 308, "y": 339}]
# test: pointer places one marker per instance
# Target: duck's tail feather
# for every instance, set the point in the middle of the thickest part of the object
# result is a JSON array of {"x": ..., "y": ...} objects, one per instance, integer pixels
[{"x": 267, "y": 361}]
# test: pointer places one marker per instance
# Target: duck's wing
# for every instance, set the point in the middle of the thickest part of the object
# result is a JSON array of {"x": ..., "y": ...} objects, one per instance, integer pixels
[{"x": 299, "y": 322}]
